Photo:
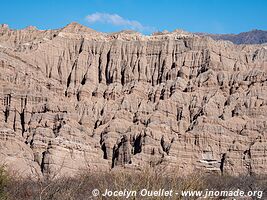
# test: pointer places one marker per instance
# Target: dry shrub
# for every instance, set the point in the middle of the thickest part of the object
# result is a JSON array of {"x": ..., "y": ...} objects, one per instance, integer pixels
[
  {"x": 80, "y": 187},
  {"x": 4, "y": 179},
  {"x": 231, "y": 183}
]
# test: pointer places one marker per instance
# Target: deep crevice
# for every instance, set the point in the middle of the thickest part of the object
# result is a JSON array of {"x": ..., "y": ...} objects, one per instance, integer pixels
[
  {"x": 42, "y": 162},
  {"x": 22, "y": 121},
  {"x": 108, "y": 81},
  {"x": 222, "y": 163},
  {"x": 138, "y": 144}
]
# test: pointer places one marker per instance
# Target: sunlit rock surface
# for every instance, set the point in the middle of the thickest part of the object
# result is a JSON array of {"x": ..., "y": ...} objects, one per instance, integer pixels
[{"x": 75, "y": 99}]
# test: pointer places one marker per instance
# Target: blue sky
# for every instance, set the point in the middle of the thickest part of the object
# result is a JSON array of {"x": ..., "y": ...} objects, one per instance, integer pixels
[{"x": 212, "y": 16}]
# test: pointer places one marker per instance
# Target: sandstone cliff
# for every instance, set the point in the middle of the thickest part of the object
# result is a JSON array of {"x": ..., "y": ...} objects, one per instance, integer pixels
[{"x": 74, "y": 99}]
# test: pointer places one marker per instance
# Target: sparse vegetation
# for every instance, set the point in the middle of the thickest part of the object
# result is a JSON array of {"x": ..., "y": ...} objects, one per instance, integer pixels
[
  {"x": 4, "y": 179},
  {"x": 81, "y": 186}
]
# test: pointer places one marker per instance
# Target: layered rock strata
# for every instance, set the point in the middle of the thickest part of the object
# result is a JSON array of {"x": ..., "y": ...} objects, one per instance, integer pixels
[{"x": 75, "y": 99}]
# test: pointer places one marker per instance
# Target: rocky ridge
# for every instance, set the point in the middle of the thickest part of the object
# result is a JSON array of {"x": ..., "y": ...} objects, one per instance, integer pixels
[
  {"x": 250, "y": 37},
  {"x": 75, "y": 99}
]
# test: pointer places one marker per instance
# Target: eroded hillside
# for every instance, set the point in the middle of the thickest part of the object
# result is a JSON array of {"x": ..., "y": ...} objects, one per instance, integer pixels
[{"x": 75, "y": 99}]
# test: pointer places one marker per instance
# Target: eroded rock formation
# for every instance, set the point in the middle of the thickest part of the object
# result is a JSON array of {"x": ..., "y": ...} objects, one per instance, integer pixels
[{"x": 74, "y": 99}]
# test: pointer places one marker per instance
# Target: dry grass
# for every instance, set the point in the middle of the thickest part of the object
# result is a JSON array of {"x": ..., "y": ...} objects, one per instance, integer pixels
[
  {"x": 81, "y": 186},
  {"x": 4, "y": 182}
]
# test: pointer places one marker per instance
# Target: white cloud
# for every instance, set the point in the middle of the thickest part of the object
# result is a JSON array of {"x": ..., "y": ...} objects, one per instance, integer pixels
[{"x": 116, "y": 20}]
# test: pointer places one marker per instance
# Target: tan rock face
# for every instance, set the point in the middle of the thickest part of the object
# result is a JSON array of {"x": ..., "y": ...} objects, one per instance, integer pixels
[{"x": 75, "y": 99}]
